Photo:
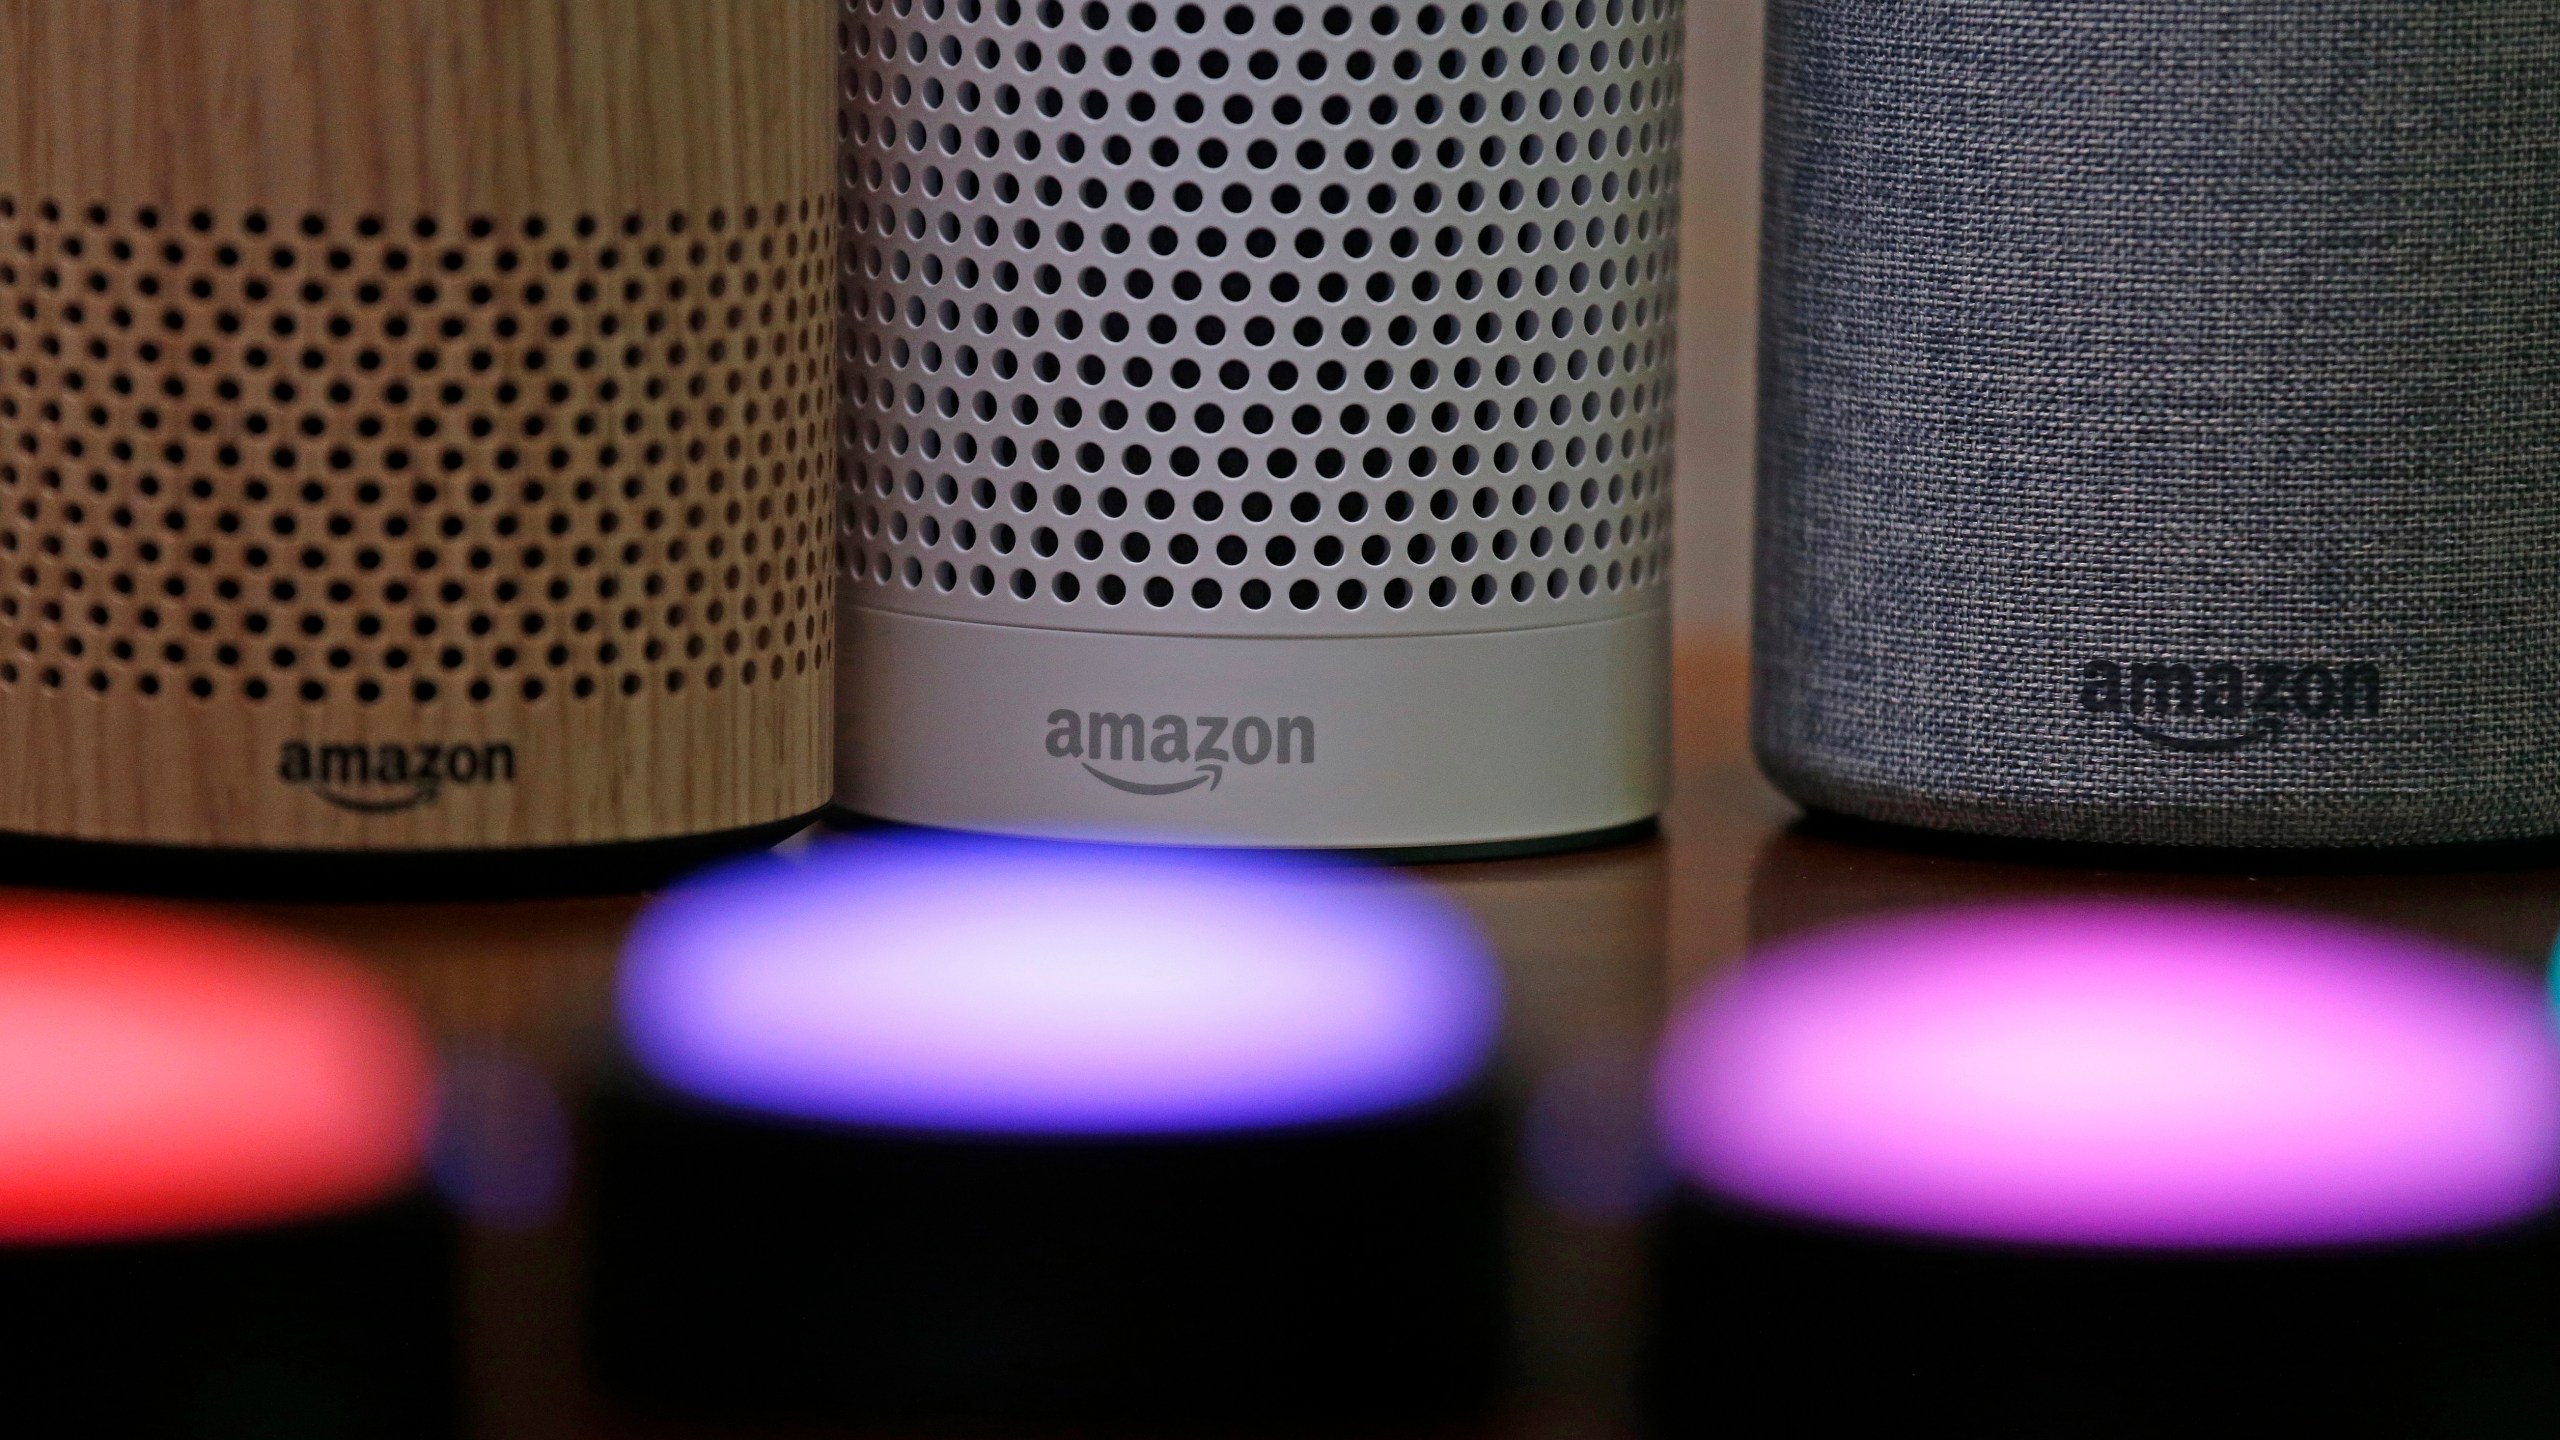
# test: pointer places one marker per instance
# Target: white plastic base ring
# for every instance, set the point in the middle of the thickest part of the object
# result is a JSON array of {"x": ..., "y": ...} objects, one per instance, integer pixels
[{"x": 1355, "y": 743}]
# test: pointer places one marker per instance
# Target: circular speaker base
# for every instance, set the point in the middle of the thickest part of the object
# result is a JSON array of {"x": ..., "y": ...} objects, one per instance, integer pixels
[
  {"x": 839, "y": 818},
  {"x": 1766, "y": 1325},
  {"x": 334, "y": 1325},
  {"x": 608, "y": 868},
  {"x": 1343, "y": 1276},
  {"x": 2379, "y": 858},
  {"x": 1452, "y": 746}
]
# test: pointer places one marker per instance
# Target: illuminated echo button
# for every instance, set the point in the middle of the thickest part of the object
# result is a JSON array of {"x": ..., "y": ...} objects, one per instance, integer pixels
[
  {"x": 213, "y": 1216},
  {"x": 1014, "y": 988},
  {"x": 941, "y": 1133},
  {"x": 2121, "y": 1076},
  {"x": 162, "y": 1076}
]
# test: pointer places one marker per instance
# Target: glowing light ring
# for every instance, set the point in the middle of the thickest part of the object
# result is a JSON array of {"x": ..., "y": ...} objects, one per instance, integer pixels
[
  {"x": 163, "y": 1076},
  {"x": 1008, "y": 987},
  {"x": 2121, "y": 1075}
]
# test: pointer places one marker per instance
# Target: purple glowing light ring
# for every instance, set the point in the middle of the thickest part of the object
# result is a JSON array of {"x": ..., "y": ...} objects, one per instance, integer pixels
[
  {"x": 1002, "y": 987},
  {"x": 2117, "y": 1075}
]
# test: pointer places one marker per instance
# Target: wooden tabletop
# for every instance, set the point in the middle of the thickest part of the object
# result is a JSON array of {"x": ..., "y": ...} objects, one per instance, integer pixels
[{"x": 1595, "y": 947}]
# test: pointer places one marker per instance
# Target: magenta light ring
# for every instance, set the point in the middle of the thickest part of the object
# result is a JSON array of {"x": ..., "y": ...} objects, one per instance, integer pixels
[{"x": 2112, "y": 1074}]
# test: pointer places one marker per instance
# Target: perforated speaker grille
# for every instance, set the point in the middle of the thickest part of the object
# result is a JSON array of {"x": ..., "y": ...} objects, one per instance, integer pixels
[
  {"x": 329, "y": 459},
  {"x": 1256, "y": 319}
]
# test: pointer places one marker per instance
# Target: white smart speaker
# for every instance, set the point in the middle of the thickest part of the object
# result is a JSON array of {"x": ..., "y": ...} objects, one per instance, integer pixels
[{"x": 1259, "y": 419}]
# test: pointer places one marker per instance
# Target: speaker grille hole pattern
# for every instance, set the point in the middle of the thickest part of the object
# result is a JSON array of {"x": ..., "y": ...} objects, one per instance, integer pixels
[
  {"x": 299, "y": 458},
  {"x": 1260, "y": 319}
]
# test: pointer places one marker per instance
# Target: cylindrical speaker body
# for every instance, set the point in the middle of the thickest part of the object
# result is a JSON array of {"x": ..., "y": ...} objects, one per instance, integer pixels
[
  {"x": 2158, "y": 419},
  {"x": 1346, "y": 1277},
  {"x": 418, "y": 429},
  {"x": 1258, "y": 420}
]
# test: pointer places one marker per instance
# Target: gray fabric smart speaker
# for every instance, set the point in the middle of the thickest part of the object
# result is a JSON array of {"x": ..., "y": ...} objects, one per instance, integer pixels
[{"x": 2160, "y": 423}]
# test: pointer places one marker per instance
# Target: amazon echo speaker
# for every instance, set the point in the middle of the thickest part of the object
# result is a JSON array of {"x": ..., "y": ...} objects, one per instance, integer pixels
[
  {"x": 1258, "y": 419},
  {"x": 214, "y": 1218},
  {"x": 2156, "y": 420},
  {"x": 953, "y": 1133},
  {"x": 2110, "y": 1168},
  {"x": 418, "y": 430}
]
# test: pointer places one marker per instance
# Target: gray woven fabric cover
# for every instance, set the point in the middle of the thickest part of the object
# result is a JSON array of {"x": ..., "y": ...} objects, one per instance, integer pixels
[{"x": 2160, "y": 414}]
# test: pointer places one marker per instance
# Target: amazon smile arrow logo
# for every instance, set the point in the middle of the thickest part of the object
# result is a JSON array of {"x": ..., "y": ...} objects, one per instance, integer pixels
[
  {"x": 385, "y": 779},
  {"x": 1204, "y": 745},
  {"x": 2216, "y": 707},
  {"x": 2260, "y": 732},
  {"x": 1209, "y": 775}
]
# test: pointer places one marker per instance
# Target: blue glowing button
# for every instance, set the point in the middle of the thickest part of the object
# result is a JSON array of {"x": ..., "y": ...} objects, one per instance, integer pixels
[{"x": 1018, "y": 988}]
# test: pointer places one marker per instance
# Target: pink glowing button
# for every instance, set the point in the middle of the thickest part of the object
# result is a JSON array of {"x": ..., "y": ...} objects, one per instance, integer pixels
[
  {"x": 161, "y": 1075},
  {"x": 2121, "y": 1075}
]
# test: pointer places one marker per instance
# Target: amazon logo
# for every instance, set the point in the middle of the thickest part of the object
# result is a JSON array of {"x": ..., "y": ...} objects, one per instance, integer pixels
[
  {"x": 387, "y": 779},
  {"x": 2225, "y": 705},
  {"x": 1181, "y": 753}
]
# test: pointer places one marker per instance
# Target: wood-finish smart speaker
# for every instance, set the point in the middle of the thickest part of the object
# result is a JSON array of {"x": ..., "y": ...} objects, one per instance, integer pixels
[
  {"x": 2160, "y": 404},
  {"x": 416, "y": 422},
  {"x": 1259, "y": 419}
]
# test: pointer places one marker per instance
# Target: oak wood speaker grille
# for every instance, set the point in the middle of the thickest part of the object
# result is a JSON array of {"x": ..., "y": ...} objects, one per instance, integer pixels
[
  {"x": 417, "y": 420},
  {"x": 302, "y": 461},
  {"x": 1260, "y": 319},
  {"x": 308, "y": 464}
]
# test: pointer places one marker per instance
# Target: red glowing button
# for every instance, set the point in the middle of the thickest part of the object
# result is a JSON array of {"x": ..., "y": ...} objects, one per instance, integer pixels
[{"x": 162, "y": 1075}]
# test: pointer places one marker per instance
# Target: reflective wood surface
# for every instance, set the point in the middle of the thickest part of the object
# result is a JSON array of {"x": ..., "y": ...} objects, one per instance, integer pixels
[{"x": 1594, "y": 947}]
